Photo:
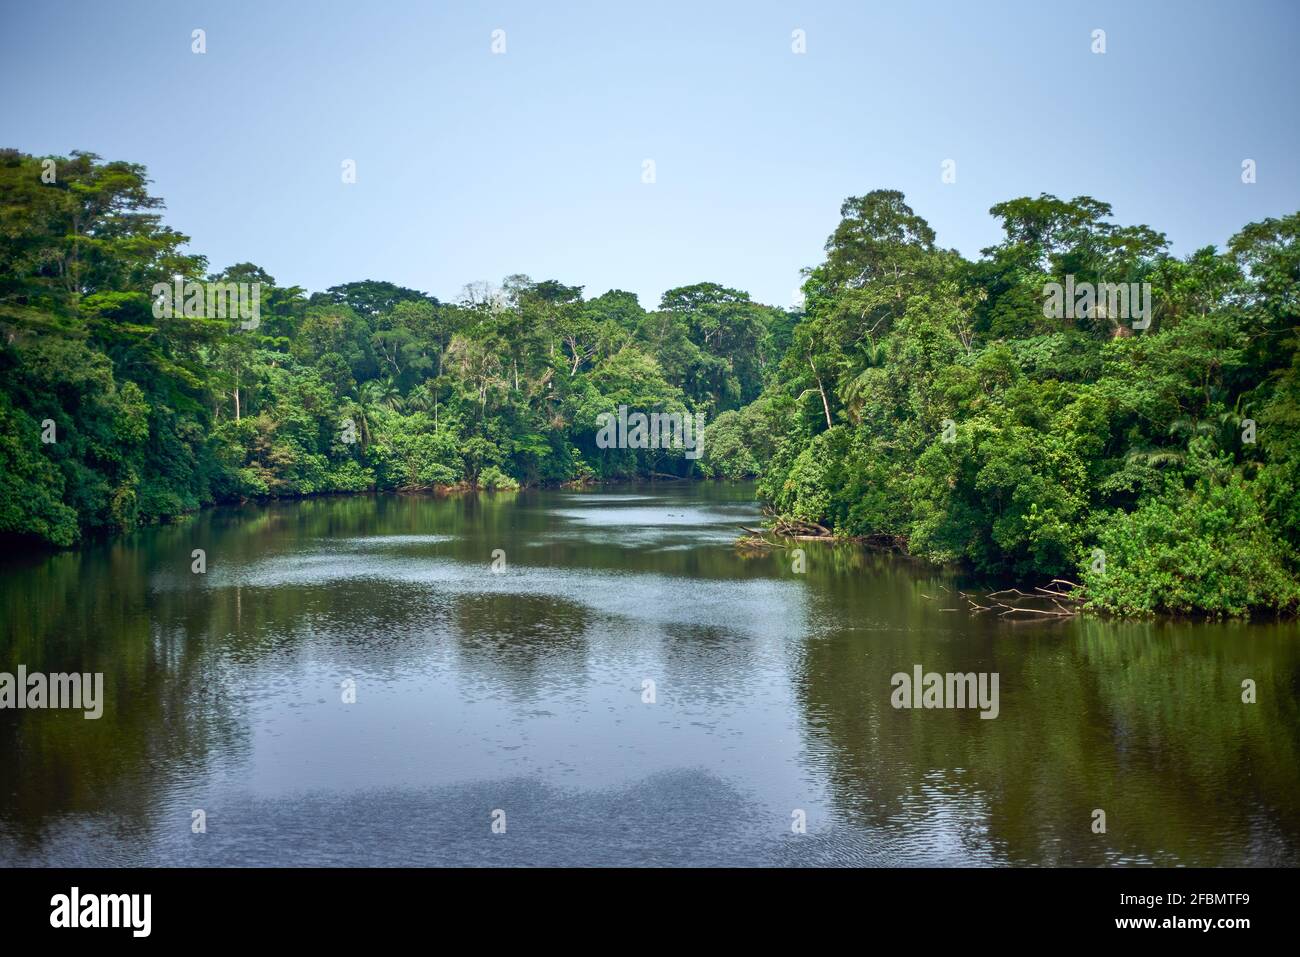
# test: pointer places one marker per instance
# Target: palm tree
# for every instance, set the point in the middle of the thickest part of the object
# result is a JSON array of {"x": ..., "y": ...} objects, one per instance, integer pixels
[
  {"x": 1156, "y": 457},
  {"x": 1218, "y": 429},
  {"x": 393, "y": 395},
  {"x": 874, "y": 355},
  {"x": 371, "y": 397},
  {"x": 421, "y": 398}
]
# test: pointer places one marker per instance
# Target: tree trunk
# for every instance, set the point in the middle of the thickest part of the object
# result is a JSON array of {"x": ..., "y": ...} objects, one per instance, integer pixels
[{"x": 821, "y": 389}]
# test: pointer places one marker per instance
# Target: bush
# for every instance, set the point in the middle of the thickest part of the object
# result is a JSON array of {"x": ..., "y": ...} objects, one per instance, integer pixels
[
  {"x": 420, "y": 459},
  {"x": 495, "y": 480},
  {"x": 351, "y": 476},
  {"x": 1208, "y": 552},
  {"x": 808, "y": 490},
  {"x": 31, "y": 487}
]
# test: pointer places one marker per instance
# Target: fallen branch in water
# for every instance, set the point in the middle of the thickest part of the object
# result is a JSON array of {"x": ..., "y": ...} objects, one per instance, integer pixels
[
  {"x": 1058, "y": 594},
  {"x": 1010, "y": 601},
  {"x": 1062, "y": 613},
  {"x": 762, "y": 534},
  {"x": 803, "y": 531},
  {"x": 794, "y": 528}
]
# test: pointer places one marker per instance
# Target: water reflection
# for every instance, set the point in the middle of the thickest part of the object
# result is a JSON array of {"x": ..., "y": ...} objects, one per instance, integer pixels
[{"x": 523, "y": 690}]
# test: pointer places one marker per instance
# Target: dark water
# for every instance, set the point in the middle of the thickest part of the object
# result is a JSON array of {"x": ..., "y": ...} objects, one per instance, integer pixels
[{"x": 522, "y": 691}]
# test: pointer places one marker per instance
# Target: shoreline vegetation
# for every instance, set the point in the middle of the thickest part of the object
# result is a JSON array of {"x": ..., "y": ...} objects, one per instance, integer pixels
[{"x": 964, "y": 412}]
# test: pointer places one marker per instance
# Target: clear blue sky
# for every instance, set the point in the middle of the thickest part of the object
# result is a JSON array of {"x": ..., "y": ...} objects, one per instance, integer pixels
[{"x": 472, "y": 166}]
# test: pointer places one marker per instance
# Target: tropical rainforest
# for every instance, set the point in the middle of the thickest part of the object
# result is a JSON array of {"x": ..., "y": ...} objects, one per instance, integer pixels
[{"x": 916, "y": 398}]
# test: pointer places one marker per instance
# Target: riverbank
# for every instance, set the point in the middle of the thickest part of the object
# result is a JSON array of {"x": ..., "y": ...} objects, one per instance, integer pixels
[{"x": 782, "y": 532}]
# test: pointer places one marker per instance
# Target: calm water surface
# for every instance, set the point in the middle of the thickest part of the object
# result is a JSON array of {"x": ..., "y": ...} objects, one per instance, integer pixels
[{"x": 522, "y": 691}]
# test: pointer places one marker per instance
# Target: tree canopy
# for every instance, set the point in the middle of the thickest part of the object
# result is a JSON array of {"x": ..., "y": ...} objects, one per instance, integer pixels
[{"x": 917, "y": 396}]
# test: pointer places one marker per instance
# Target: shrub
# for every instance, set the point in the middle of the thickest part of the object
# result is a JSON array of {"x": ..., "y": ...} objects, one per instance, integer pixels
[
  {"x": 495, "y": 480},
  {"x": 1207, "y": 552}
]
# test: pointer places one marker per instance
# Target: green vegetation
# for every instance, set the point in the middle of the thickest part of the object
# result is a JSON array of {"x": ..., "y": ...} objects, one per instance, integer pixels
[
  {"x": 367, "y": 385},
  {"x": 920, "y": 396},
  {"x": 1065, "y": 435}
]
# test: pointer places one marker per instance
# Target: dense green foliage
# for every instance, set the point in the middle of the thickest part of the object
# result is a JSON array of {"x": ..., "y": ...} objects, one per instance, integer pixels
[
  {"x": 154, "y": 417},
  {"x": 1064, "y": 435},
  {"x": 919, "y": 396}
]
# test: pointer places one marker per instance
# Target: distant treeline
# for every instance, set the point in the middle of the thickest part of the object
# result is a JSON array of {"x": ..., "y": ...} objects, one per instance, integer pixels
[{"x": 917, "y": 396}]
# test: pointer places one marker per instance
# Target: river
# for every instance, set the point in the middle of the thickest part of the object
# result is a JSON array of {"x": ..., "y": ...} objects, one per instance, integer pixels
[{"x": 600, "y": 677}]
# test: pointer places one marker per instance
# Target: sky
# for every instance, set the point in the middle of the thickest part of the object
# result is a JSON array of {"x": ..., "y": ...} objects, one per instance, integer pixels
[{"x": 473, "y": 164}]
